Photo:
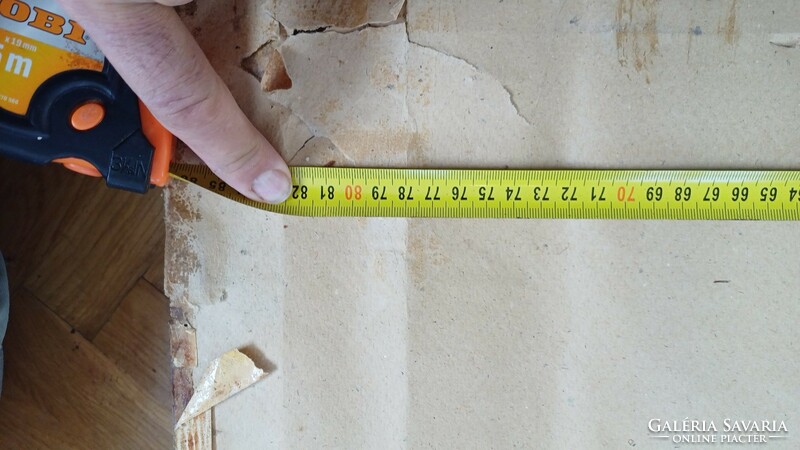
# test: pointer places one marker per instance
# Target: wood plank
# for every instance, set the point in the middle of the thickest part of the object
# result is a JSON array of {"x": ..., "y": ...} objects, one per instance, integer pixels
[
  {"x": 80, "y": 245},
  {"x": 136, "y": 339},
  {"x": 34, "y": 201},
  {"x": 61, "y": 392}
]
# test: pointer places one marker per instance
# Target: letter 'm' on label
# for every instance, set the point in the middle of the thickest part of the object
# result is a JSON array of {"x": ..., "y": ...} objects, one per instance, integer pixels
[{"x": 18, "y": 65}]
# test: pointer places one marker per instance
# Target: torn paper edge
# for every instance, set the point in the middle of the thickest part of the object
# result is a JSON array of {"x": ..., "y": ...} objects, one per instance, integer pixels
[
  {"x": 509, "y": 94},
  {"x": 225, "y": 377},
  {"x": 395, "y": 16},
  {"x": 787, "y": 40},
  {"x": 316, "y": 133}
]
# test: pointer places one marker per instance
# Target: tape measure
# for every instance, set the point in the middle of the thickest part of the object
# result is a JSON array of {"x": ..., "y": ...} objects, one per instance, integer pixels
[
  {"x": 527, "y": 194},
  {"x": 61, "y": 101}
]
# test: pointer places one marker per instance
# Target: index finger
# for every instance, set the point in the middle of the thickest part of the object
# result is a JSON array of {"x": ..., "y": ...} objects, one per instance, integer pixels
[{"x": 156, "y": 55}]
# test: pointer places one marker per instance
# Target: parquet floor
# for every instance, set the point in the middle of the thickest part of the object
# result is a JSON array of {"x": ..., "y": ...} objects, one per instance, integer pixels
[{"x": 87, "y": 349}]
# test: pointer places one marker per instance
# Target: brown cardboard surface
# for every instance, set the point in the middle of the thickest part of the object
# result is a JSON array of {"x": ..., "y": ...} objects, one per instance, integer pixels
[{"x": 497, "y": 333}]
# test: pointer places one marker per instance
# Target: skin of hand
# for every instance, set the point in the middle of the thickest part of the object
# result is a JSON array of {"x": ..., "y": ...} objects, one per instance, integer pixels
[{"x": 156, "y": 55}]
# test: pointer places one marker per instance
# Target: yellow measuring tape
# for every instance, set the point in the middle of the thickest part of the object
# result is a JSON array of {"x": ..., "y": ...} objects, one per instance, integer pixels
[{"x": 528, "y": 194}]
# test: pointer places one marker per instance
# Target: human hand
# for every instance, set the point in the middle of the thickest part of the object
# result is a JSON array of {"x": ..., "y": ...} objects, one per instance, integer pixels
[{"x": 156, "y": 55}]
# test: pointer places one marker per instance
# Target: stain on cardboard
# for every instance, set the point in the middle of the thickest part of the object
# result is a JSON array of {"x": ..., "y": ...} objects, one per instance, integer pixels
[
  {"x": 436, "y": 18},
  {"x": 183, "y": 344},
  {"x": 384, "y": 74},
  {"x": 182, "y": 389},
  {"x": 637, "y": 34},
  {"x": 427, "y": 256},
  {"x": 692, "y": 32},
  {"x": 328, "y": 108},
  {"x": 728, "y": 26},
  {"x": 181, "y": 206},
  {"x": 182, "y": 262},
  {"x": 182, "y": 257},
  {"x": 402, "y": 140},
  {"x": 197, "y": 434}
]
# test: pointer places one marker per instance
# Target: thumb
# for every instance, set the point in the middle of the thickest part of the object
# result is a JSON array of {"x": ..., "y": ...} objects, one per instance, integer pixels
[{"x": 158, "y": 58}]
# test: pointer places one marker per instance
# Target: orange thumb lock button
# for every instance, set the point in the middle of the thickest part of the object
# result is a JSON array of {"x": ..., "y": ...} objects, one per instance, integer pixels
[{"x": 87, "y": 116}]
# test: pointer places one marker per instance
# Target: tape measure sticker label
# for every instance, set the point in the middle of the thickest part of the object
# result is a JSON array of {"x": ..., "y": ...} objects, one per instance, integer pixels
[
  {"x": 591, "y": 194},
  {"x": 26, "y": 62},
  {"x": 44, "y": 21}
]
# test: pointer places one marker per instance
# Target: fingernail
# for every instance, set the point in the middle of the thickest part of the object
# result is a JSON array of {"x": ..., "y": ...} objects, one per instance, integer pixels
[{"x": 273, "y": 186}]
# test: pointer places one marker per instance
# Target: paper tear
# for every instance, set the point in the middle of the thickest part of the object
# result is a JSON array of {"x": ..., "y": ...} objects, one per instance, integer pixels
[
  {"x": 332, "y": 29},
  {"x": 225, "y": 377},
  {"x": 378, "y": 77},
  {"x": 404, "y": 19},
  {"x": 787, "y": 40},
  {"x": 319, "y": 123},
  {"x": 266, "y": 64},
  {"x": 341, "y": 16},
  {"x": 320, "y": 151},
  {"x": 474, "y": 67}
]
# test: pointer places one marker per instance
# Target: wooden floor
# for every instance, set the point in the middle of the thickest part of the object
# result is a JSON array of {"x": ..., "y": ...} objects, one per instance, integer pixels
[{"x": 87, "y": 349}]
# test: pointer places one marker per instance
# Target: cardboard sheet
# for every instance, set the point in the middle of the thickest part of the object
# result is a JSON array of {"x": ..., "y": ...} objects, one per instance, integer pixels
[{"x": 389, "y": 333}]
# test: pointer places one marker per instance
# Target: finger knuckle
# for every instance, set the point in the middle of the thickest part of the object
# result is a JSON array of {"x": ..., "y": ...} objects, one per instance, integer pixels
[
  {"x": 194, "y": 108},
  {"x": 188, "y": 102},
  {"x": 173, "y": 3},
  {"x": 238, "y": 161}
]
